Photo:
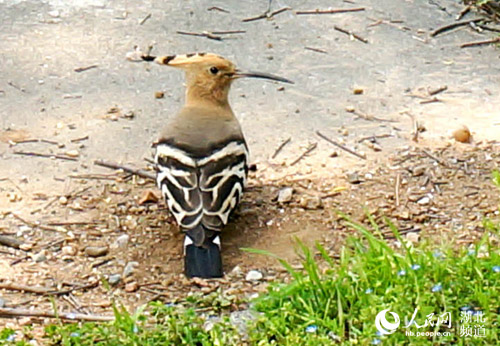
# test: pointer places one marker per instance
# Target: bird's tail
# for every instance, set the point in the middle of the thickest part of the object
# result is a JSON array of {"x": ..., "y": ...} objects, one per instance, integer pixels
[{"x": 203, "y": 261}]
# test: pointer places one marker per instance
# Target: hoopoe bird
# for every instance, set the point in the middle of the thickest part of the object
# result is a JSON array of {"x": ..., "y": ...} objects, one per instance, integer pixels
[{"x": 202, "y": 158}]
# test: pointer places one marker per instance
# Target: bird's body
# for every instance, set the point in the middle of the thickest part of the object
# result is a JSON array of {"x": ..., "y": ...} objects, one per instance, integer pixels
[{"x": 202, "y": 159}]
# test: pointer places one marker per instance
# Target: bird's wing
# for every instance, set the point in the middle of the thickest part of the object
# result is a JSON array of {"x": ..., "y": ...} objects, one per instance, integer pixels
[{"x": 202, "y": 190}]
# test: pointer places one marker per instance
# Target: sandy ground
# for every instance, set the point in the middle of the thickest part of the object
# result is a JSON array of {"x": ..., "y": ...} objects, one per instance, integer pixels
[{"x": 110, "y": 112}]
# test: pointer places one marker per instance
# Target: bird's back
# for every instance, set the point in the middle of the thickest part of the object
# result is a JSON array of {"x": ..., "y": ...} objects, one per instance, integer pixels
[{"x": 202, "y": 163}]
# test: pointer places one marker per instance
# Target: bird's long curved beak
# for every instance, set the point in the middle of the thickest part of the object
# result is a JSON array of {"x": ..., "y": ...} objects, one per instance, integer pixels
[{"x": 251, "y": 74}]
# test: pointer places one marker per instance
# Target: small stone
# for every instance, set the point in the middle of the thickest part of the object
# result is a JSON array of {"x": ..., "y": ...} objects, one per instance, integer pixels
[
  {"x": 343, "y": 131},
  {"x": 129, "y": 115},
  {"x": 311, "y": 202},
  {"x": 353, "y": 178},
  {"x": 131, "y": 286},
  {"x": 63, "y": 200},
  {"x": 424, "y": 200},
  {"x": 334, "y": 154},
  {"x": 159, "y": 94},
  {"x": 72, "y": 153},
  {"x": 254, "y": 275},
  {"x": 418, "y": 170},
  {"x": 2, "y": 302},
  {"x": 148, "y": 196},
  {"x": 54, "y": 13},
  {"x": 114, "y": 279},
  {"x": 285, "y": 195},
  {"x": 358, "y": 91},
  {"x": 39, "y": 257},
  {"x": 121, "y": 242},
  {"x": 69, "y": 250},
  {"x": 462, "y": 134},
  {"x": 96, "y": 251},
  {"x": 236, "y": 271},
  {"x": 130, "y": 268},
  {"x": 350, "y": 109},
  {"x": 413, "y": 237}
]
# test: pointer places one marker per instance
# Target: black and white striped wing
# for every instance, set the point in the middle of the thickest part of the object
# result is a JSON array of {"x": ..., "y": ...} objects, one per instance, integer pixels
[
  {"x": 203, "y": 190},
  {"x": 222, "y": 180},
  {"x": 178, "y": 180}
]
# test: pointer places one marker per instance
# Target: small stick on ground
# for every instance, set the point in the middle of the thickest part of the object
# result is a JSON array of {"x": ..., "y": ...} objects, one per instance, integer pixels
[
  {"x": 30, "y": 153},
  {"x": 76, "y": 140},
  {"x": 203, "y": 34},
  {"x": 438, "y": 90},
  {"x": 462, "y": 13},
  {"x": 305, "y": 153},
  {"x": 10, "y": 241},
  {"x": 215, "y": 8},
  {"x": 86, "y": 68},
  {"x": 350, "y": 34},
  {"x": 33, "y": 224},
  {"x": 144, "y": 20},
  {"x": 437, "y": 159},
  {"x": 24, "y": 288},
  {"x": 266, "y": 15},
  {"x": 316, "y": 50},
  {"x": 338, "y": 10},
  {"x": 432, "y": 100},
  {"x": 480, "y": 43},
  {"x": 398, "y": 183},
  {"x": 112, "y": 165},
  {"x": 281, "y": 146},
  {"x": 455, "y": 25},
  {"x": 385, "y": 135},
  {"x": 350, "y": 151},
  {"x": 75, "y": 288},
  {"x": 9, "y": 312}
]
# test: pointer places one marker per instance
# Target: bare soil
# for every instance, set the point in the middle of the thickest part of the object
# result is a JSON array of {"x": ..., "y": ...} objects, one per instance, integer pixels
[{"x": 435, "y": 189}]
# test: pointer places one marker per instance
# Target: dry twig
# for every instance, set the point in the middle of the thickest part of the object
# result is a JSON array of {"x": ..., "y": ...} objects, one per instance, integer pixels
[
  {"x": 350, "y": 34},
  {"x": 281, "y": 146},
  {"x": 30, "y": 153},
  {"x": 455, "y": 25},
  {"x": 338, "y": 10},
  {"x": 305, "y": 153},
  {"x": 9, "y": 312},
  {"x": 266, "y": 14},
  {"x": 480, "y": 43},
  {"x": 350, "y": 151},
  {"x": 112, "y": 165}
]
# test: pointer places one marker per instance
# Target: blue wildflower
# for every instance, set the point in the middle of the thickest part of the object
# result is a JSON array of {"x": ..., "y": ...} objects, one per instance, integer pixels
[
  {"x": 71, "y": 315},
  {"x": 135, "y": 330},
  {"x": 437, "y": 254},
  {"x": 402, "y": 273},
  {"x": 437, "y": 288},
  {"x": 496, "y": 269},
  {"x": 75, "y": 335},
  {"x": 376, "y": 342},
  {"x": 415, "y": 266},
  {"x": 312, "y": 328},
  {"x": 471, "y": 252},
  {"x": 368, "y": 291},
  {"x": 11, "y": 337}
]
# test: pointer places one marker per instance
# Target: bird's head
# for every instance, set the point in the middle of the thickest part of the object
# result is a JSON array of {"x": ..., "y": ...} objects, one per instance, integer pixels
[{"x": 208, "y": 75}]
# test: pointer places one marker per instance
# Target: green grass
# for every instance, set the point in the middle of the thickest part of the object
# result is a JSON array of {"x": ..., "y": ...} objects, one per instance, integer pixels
[{"x": 332, "y": 301}]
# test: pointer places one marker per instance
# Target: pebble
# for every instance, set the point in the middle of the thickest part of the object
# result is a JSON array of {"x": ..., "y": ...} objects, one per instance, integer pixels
[
  {"x": 285, "y": 195},
  {"x": 39, "y": 257},
  {"x": 72, "y": 153},
  {"x": 159, "y": 94},
  {"x": 148, "y": 196},
  {"x": 311, "y": 202},
  {"x": 424, "y": 200},
  {"x": 114, "y": 279},
  {"x": 131, "y": 286},
  {"x": 2, "y": 302},
  {"x": 96, "y": 251},
  {"x": 121, "y": 242},
  {"x": 353, "y": 178},
  {"x": 63, "y": 200},
  {"x": 130, "y": 268},
  {"x": 69, "y": 250},
  {"x": 254, "y": 275}
]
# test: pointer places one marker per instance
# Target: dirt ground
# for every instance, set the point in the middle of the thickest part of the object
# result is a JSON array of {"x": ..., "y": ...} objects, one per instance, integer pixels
[{"x": 78, "y": 223}]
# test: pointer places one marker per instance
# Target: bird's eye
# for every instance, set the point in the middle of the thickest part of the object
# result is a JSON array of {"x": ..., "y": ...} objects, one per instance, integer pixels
[{"x": 214, "y": 70}]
